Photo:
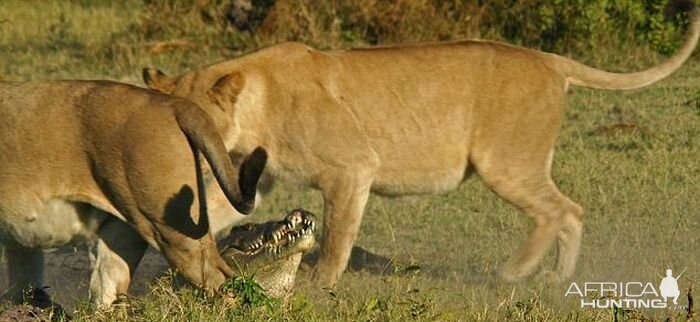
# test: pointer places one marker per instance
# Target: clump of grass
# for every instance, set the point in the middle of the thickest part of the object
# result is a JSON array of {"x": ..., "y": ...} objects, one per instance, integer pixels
[{"x": 248, "y": 291}]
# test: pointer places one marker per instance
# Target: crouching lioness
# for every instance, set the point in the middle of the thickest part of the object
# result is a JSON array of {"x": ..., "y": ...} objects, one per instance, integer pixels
[
  {"x": 410, "y": 119},
  {"x": 118, "y": 165}
]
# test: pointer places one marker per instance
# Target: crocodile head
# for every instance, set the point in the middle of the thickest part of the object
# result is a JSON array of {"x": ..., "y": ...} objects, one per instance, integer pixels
[{"x": 271, "y": 252}]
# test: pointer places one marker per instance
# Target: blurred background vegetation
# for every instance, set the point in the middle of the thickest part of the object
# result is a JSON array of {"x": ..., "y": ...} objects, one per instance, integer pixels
[
  {"x": 578, "y": 26},
  {"x": 116, "y": 38}
]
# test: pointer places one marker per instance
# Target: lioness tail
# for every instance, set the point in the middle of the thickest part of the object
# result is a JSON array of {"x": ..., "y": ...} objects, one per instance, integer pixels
[
  {"x": 581, "y": 75},
  {"x": 239, "y": 189}
]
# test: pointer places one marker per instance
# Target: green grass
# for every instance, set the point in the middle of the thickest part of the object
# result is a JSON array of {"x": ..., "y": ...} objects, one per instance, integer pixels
[{"x": 639, "y": 187}]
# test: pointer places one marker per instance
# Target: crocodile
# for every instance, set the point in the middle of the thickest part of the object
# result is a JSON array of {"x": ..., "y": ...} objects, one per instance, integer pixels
[{"x": 271, "y": 252}]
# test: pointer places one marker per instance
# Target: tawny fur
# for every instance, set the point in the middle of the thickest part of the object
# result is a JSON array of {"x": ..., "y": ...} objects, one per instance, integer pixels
[
  {"x": 410, "y": 119},
  {"x": 119, "y": 166}
]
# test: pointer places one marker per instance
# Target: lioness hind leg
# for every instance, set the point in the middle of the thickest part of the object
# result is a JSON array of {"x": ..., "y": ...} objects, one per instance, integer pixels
[
  {"x": 114, "y": 258},
  {"x": 568, "y": 243},
  {"x": 344, "y": 201},
  {"x": 529, "y": 187}
]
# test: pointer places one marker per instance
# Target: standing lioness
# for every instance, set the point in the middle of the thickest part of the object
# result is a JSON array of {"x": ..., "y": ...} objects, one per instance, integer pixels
[
  {"x": 410, "y": 119},
  {"x": 117, "y": 164}
]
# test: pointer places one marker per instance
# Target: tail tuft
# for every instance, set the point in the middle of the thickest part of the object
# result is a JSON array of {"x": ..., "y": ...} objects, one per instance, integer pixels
[{"x": 250, "y": 171}]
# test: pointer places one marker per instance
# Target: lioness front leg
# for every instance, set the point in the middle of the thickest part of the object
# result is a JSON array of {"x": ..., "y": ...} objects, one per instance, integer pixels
[
  {"x": 114, "y": 258},
  {"x": 344, "y": 197}
]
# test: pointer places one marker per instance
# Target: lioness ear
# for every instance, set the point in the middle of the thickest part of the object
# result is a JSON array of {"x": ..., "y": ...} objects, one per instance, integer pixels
[
  {"x": 158, "y": 81},
  {"x": 227, "y": 88}
]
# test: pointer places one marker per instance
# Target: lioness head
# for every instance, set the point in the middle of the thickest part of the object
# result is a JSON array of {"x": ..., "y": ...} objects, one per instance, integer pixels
[{"x": 215, "y": 93}]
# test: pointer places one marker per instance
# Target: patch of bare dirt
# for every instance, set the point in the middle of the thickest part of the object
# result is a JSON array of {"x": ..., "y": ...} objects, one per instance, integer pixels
[
  {"x": 23, "y": 313},
  {"x": 67, "y": 275}
]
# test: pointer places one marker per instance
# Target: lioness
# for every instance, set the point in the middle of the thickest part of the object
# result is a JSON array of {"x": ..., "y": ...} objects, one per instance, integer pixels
[
  {"x": 114, "y": 163},
  {"x": 410, "y": 119}
]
